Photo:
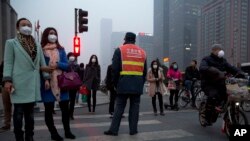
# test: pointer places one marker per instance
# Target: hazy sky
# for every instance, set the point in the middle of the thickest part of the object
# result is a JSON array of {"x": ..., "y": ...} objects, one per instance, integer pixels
[{"x": 127, "y": 15}]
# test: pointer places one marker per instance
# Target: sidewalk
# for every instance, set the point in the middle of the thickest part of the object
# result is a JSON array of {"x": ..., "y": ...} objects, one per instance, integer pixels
[{"x": 101, "y": 98}]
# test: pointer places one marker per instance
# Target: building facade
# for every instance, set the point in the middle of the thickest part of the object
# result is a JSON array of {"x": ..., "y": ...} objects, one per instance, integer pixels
[
  {"x": 161, "y": 29},
  {"x": 146, "y": 41},
  {"x": 105, "y": 44},
  {"x": 8, "y": 18},
  {"x": 183, "y": 34},
  {"x": 226, "y": 22}
]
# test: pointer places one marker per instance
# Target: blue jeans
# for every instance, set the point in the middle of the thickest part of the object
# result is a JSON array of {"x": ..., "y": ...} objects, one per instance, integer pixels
[
  {"x": 121, "y": 101},
  {"x": 188, "y": 84},
  {"x": 26, "y": 110}
]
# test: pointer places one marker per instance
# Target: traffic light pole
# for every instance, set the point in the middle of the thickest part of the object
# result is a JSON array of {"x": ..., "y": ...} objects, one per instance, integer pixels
[{"x": 76, "y": 21}]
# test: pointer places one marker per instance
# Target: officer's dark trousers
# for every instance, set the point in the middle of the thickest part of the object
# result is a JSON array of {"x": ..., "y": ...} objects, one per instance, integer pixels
[{"x": 121, "y": 101}]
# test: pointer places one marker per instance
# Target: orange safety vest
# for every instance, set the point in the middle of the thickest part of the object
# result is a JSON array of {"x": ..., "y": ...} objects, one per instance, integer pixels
[{"x": 133, "y": 59}]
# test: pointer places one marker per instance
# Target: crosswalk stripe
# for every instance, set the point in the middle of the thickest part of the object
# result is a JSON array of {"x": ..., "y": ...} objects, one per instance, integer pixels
[
  {"x": 107, "y": 115},
  {"x": 144, "y": 136},
  {"x": 101, "y": 124}
]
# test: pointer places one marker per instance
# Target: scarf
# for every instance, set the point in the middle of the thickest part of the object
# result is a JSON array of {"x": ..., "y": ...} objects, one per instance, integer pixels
[
  {"x": 29, "y": 45},
  {"x": 51, "y": 51}
]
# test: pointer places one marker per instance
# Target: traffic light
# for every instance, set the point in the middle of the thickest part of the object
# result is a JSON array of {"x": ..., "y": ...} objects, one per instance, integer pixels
[
  {"x": 76, "y": 46},
  {"x": 82, "y": 21}
]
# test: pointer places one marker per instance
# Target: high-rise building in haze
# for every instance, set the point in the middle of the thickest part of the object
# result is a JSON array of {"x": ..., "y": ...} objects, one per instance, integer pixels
[
  {"x": 145, "y": 41},
  {"x": 8, "y": 18},
  {"x": 105, "y": 44},
  {"x": 117, "y": 39},
  {"x": 161, "y": 29},
  {"x": 226, "y": 22},
  {"x": 175, "y": 29},
  {"x": 183, "y": 25}
]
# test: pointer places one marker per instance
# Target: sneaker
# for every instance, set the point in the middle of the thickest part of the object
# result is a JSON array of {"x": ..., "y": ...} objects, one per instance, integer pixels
[{"x": 4, "y": 129}]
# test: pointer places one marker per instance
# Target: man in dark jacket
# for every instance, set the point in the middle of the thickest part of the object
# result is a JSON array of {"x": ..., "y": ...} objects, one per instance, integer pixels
[
  {"x": 110, "y": 86},
  {"x": 191, "y": 75},
  {"x": 7, "y": 106},
  {"x": 213, "y": 69},
  {"x": 129, "y": 74}
]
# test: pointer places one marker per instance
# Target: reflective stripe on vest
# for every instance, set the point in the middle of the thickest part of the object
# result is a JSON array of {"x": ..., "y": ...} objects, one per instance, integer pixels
[{"x": 133, "y": 59}]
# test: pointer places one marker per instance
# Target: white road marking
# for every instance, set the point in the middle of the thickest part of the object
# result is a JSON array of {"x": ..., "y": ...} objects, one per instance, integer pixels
[
  {"x": 91, "y": 116},
  {"x": 144, "y": 136},
  {"x": 101, "y": 124}
]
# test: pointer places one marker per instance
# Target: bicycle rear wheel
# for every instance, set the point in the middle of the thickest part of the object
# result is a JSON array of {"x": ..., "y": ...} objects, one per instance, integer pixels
[
  {"x": 202, "y": 114},
  {"x": 199, "y": 98},
  {"x": 184, "y": 98}
]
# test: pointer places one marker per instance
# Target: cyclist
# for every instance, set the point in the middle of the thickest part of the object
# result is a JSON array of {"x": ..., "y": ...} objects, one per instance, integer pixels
[
  {"x": 212, "y": 70},
  {"x": 191, "y": 76}
]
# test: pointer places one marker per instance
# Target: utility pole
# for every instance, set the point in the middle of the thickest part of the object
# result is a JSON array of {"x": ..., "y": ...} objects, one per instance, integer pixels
[{"x": 76, "y": 21}]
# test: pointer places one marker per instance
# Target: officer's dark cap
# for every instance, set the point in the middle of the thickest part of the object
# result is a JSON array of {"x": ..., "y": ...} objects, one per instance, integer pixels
[{"x": 130, "y": 36}]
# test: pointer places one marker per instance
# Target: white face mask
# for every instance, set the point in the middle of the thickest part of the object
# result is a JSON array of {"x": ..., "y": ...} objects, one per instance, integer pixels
[
  {"x": 175, "y": 67},
  {"x": 25, "y": 30},
  {"x": 155, "y": 66},
  {"x": 71, "y": 58},
  {"x": 93, "y": 60},
  {"x": 52, "y": 38},
  {"x": 221, "y": 54}
]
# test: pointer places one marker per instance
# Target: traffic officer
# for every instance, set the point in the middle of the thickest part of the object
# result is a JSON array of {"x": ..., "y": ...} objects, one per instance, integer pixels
[{"x": 129, "y": 74}]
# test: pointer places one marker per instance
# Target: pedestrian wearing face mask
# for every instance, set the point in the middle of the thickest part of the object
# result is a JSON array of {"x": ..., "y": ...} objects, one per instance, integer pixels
[
  {"x": 155, "y": 78},
  {"x": 73, "y": 66},
  {"x": 174, "y": 75},
  {"x": 56, "y": 59},
  {"x": 213, "y": 69},
  {"x": 92, "y": 79},
  {"x": 23, "y": 59}
]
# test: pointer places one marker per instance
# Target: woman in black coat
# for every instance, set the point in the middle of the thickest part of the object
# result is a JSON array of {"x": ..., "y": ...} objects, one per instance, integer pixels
[{"x": 92, "y": 78}]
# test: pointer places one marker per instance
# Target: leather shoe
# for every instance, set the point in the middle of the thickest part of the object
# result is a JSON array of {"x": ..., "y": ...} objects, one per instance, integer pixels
[
  {"x": 133, "y": 133},
  {"x": 110, "y": 133},
  {"x": 56, "y": 137},
  {"x": 70, "y": 135}
]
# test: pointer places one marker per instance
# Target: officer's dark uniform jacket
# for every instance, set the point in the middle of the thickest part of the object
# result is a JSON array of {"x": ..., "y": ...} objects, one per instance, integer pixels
[{"x": 125, "y": 81}]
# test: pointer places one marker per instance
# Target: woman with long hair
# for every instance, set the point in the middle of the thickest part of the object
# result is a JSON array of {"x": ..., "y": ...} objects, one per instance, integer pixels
[
  {"x": 56, "y": 59},
  {"x": 155, "y": 78},
  {"x": 92, "y": 78}
]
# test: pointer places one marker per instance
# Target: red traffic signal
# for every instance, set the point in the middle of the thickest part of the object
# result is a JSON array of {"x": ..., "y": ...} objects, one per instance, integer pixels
[
  {"x": 82, "y": 21},
  {"x": 76, "y": 46}
]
